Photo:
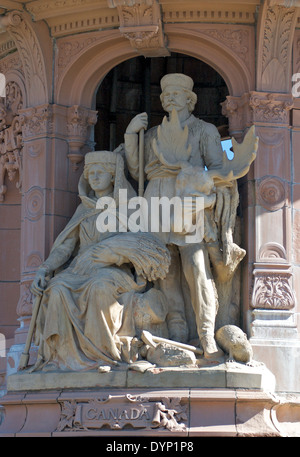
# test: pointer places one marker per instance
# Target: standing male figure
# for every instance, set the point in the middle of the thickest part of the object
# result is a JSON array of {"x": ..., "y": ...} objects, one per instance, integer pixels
[{"x": 206, "y": 150}]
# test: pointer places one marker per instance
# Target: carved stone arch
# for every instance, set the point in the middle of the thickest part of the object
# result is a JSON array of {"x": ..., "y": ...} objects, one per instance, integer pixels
[
  {"x": 32, "y": 42},
  {"x": 209, "y": 45},
  {"x": 81, "y": 76}
]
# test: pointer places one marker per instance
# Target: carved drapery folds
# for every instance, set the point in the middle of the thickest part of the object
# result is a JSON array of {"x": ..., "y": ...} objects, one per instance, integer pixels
[
  {"x": 10, "y": 137},
  {"x": 140, "y": 22}
]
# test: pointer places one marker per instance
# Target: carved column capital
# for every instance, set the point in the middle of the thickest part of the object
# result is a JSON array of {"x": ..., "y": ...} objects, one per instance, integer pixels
[
  {"x": 37, "y": 121},
  {"x": 270, "y": 107},
  {"x": 260, "y": 108},
  {"x": 79, "y": 123},
  {"x": 238, "y": 112},
  {"x": 141, "y": 24}
]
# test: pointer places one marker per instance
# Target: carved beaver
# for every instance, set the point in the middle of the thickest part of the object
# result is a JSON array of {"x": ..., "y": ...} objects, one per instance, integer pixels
[{"x": 234, "y": 342}]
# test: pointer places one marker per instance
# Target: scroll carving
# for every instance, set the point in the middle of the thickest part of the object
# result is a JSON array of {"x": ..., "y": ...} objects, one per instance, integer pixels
[
  {"x": 271, "y": 193},
  {"x": 115, "y": 413},
  {"x": 11, "y": 137},
  {"x": 141, "y": 23}
]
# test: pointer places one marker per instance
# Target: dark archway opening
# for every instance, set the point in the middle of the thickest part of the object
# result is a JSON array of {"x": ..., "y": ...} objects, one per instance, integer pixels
[{"x": 134, "y": 87}]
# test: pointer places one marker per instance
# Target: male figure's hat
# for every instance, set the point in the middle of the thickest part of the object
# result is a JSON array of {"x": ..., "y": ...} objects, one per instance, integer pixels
[{"x": 177, "y": 79}]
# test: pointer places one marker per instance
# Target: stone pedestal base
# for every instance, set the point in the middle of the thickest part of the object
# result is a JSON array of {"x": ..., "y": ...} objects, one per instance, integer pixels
[
  {"x": 224, "y": 375},
  {"x": 137, "y": 413},
  {"x": 224, "y": 400}
]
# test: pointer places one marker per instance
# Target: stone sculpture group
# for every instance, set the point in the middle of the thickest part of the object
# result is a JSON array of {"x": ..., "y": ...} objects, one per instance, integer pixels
[{"x": 107, "y": 300}]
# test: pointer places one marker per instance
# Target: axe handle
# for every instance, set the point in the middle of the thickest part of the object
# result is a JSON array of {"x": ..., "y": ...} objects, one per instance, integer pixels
[
  {"x": 157, "y": 339},
  {"x": 25, "y": 355},
  {"x": 141, "y": 162}
]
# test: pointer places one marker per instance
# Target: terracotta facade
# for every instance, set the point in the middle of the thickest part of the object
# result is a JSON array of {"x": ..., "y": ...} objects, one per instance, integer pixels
[{"x": 55, "y": 57}]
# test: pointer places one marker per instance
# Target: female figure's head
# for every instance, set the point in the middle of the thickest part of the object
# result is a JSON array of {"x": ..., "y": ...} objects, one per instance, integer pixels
[{"x": 100, "y": 171}]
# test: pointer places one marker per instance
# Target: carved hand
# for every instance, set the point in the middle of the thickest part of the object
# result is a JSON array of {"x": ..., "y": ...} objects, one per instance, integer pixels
[
  {"x": 137, "y": 123},
  {"x": 40, "y": 281}
]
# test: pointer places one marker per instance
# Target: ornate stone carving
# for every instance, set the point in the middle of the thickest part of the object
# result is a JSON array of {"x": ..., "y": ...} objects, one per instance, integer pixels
[
  {"x": 237, "y": 40},
  {"x": 30, "y": 53},
  {"x": 140, "y": 22},
  {"x": 38, "y": 121},
  {"x": 275, "y": 45},
  {"x": 10, "y": 137},
  {"x": 258, "y": 108},
  {"x": 271, "y": 193},
  {"x": 11, "y": 62},
  {"x": 69, "y": 48},
  {"x": 273, "y": 290},
  {"x": 270, "y": 107},
  {"x": 84, "y": 270},
  {"x": 79, "y": 123},
  {"x": 116, "y": 412}
]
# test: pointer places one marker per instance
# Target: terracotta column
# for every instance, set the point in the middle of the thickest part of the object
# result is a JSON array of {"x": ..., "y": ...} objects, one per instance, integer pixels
[{"x": 55, "y": 139}]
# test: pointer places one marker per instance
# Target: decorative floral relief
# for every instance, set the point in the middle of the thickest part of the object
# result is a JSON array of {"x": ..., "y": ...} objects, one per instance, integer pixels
[
  {"x": 237, "y": 40},
  {"x": 273, "y": 291}
]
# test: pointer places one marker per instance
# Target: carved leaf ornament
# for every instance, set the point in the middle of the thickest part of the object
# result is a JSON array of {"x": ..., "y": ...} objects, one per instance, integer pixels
[{"x": 273, "y": 292}]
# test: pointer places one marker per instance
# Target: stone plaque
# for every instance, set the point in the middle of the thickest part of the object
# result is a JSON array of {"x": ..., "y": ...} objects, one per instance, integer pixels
[{"x": 119, "y": 412}]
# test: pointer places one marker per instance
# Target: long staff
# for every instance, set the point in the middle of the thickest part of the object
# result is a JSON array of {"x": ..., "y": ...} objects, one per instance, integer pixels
[
  {"x": 25, "y": 355},
  {"x": 141, "y": 162}
]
